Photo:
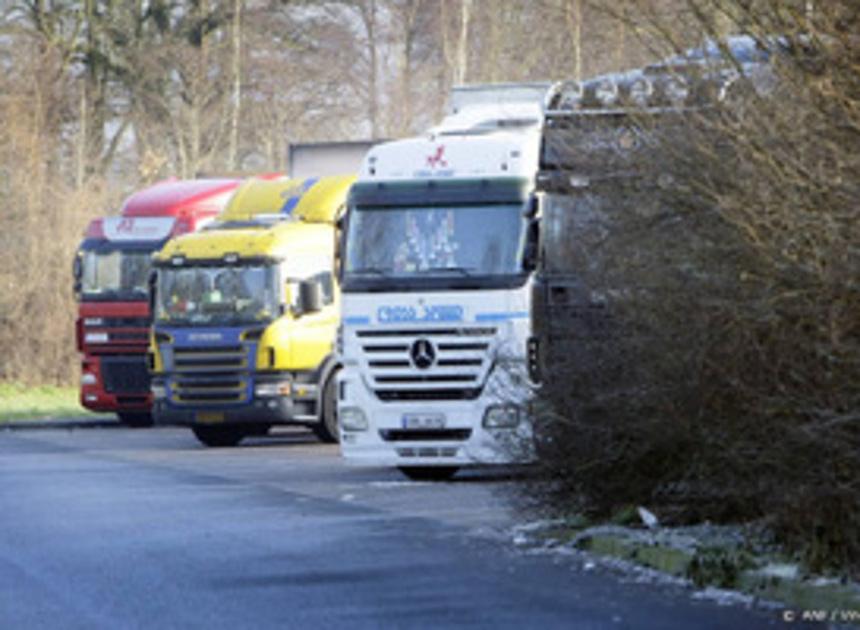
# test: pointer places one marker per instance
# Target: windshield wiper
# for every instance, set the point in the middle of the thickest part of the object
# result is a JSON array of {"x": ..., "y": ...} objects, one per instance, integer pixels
[
  {"x": 463, "y": 271},
  {"x": 371, "y": 270}
]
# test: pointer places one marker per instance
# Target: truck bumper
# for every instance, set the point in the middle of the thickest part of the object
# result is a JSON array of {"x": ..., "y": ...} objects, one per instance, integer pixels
[
  {"x": 464, "y": 440},
  {"x": 95, "y": 397},
  {"x": 298, "y": 408}
]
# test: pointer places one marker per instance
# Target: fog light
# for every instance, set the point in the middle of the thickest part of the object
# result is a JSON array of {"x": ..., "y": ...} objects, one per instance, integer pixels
[
  {"x": 159, "y": 392},
  {"x": 352, "y": 419},
  {"x": 264, "y": 390},
  {"x": 88, "y": 379},
  {"x": 501, "y": 417}
]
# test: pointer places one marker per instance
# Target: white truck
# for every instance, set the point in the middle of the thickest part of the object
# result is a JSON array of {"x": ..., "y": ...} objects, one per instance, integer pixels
[{"x": 438, "y": 253}]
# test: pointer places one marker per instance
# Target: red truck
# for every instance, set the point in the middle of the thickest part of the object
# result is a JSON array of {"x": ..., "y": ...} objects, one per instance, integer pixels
[{"x": 111, "y": 273}]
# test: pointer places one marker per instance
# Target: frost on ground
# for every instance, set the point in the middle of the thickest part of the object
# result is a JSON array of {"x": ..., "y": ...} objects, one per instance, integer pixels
[
  {"x": 399, "y": 484},
  {"x": 540, "y": 538},
  {"x": 527, "y": 537},
  {"x": 727, "y": 597},
  {"x": 565, "y": 542}
]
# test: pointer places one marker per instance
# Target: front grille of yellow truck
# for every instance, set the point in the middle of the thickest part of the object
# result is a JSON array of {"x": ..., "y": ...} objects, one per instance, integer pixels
[{"x": 210, "y": 375}]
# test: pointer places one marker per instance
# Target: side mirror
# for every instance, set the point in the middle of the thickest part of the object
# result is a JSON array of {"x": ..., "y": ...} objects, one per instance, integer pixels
[
  {"x": 340, "y": 246},
  {"x": 77, "y": 275},
  {"x": 532, "y": 207},
  {"x": 152, "y": 283},
  {"x": 286, "y": 299},
  {"x": 310, "y": 296},
  {"x": 530, "y": 252}
]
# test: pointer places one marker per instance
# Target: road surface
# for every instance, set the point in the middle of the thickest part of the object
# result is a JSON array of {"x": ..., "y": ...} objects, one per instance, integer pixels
[{"x": 121, "y": 528}]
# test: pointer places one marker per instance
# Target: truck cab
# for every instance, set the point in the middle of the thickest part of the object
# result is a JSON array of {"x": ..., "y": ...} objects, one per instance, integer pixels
[
  {"x": 246, "y": 314},
  {"x": 438, "y": 256},
  {"x": 111, "y": 269}
]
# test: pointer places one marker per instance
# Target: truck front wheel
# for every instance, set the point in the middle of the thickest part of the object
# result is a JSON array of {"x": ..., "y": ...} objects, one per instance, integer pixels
[
  {"x": 429, "y": 473},
  {"x": 218, "y": 436},
  {"x": 327, "y": 429}
]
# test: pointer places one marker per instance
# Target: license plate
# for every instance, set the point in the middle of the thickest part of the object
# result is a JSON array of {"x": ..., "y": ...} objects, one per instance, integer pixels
[
  {"x": 423, "y": 421},
  {"x": 210, "y": 416}
]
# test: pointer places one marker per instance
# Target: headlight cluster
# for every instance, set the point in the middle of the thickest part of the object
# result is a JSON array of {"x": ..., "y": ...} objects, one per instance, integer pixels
[
  {"x": 159, "y": 392},
  {"x": 96, "y": 337},
  {"x": 352, "y": 419},
  {"x": 502, "y": 416},
  {"x": 264, "y": 390}
]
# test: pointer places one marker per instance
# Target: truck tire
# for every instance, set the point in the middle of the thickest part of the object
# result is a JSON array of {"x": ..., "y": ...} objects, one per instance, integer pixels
[
  {"x": 135, "y": 419},
  {"x": 327, "y": 429},
  {"x": 257, "y": 430},
  {"x": 429, "y": 473},
  {"x": 218, "y": 436}
]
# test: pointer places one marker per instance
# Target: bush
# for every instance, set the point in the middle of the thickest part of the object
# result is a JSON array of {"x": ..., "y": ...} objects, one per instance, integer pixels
[{"x": 706, "y": 357}]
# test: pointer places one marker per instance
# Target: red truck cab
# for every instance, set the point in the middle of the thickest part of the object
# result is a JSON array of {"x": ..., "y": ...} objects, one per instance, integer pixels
[{"x": 111, "y": 270}]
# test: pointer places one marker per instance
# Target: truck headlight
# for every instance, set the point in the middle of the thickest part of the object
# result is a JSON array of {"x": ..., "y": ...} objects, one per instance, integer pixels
[
  {"x": 93, "y": 321},
  {"x": 262, "y": 390},
  {"x": 159, "y": 392},
  {"x": 502, "y": 416},
  {"x": 88, "y": 379},
  {"x": 96, "y": 337},
  {"x": 352, "y": 419}
]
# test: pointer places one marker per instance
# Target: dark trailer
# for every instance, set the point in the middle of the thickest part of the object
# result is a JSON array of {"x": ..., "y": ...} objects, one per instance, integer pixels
[{"x": 618, "y": 154}]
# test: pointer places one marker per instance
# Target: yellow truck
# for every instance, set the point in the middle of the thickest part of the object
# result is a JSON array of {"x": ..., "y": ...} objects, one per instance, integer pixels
[{"x": 246, "y": 314}]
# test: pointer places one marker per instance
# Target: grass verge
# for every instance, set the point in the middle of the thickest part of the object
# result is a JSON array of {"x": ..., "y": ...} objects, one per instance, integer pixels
[{"x": 18, "y": 402}]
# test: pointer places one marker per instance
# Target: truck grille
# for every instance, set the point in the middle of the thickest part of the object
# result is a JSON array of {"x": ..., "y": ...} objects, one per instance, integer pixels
[
  {"x": 425, "y": 435},
  {"x": 127, "y": 374},
  {"x": 125, "y": 322},
  {"x": 125, "y": 334},
  {"x": 457, "y": 367},
  {"x": 210, "y": 375}
]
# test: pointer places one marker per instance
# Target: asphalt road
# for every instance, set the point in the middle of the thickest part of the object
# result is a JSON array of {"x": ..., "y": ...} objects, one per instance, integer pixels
[{"x": 120, "y": 528}]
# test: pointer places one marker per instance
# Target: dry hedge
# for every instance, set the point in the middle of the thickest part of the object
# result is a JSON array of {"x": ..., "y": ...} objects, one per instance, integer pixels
[
  {"x": 718, "y": 375},
  {"x": 42, "y": 218}
]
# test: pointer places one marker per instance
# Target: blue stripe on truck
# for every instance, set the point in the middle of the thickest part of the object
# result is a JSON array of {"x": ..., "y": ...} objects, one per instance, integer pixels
[{"x": 502, "y": 316}]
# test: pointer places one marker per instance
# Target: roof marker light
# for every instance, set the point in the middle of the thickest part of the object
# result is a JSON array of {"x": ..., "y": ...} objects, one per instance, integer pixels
[
  {"x": 676, "y": 90},
  {"x": 640, "y": 91},
  {"x": 570, "y": 95},
  {"x": 606, "y": 92}
]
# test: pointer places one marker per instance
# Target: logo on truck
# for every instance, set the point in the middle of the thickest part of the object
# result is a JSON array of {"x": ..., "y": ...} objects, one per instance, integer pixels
[
  {"x": 423, "y": 354},
  {"x": 437, "y": 159},
  {"x": 429, "y": 313}
]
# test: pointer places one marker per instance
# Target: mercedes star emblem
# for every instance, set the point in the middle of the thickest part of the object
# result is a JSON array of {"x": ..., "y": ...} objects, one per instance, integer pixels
[{"x": 423, "y": 354}]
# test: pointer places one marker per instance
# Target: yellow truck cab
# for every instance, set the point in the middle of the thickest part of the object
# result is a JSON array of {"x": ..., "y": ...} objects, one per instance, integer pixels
[{"x": 246, "y": 314}]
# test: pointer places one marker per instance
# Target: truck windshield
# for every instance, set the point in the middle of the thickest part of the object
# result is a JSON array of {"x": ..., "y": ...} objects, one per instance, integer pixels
[
  {"x": 213, "y": 295},
  {"x": 116, "y": 274},
  {"x": 454, "y": 244}
]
